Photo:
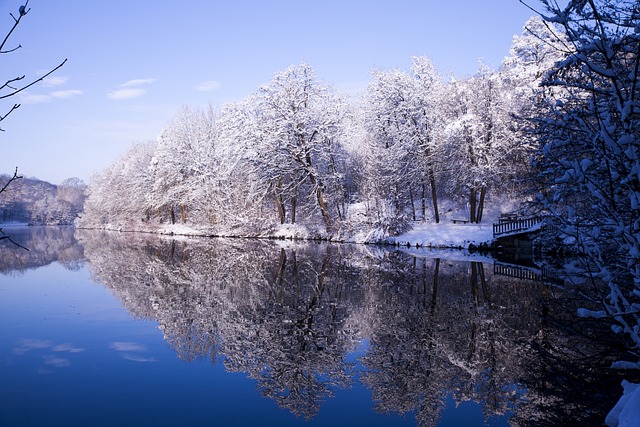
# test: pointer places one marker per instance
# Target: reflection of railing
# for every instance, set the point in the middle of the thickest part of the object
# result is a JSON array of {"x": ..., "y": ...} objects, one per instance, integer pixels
[
  {"x": 516, "y": 226},
  {"x": 538, "y": 274},
  {"x": 519, "y": 272}
]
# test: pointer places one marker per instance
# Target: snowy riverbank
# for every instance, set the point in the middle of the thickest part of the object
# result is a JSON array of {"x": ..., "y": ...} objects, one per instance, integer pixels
[
  {"x": 427, "y": 235},
  {"x": 446, "y": 235}
]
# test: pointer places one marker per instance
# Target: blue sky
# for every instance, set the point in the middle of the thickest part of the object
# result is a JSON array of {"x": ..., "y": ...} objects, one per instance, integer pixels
[{"x": 133, "y": 64}]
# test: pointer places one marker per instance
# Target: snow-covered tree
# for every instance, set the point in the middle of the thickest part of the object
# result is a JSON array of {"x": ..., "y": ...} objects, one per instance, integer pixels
[
  {"x": 118, "y": 195},
  {"x": 402, "y": 116},
  {"x": 182, "y": 160},
  {"x": 295, "y": 146},
  {"x": 533, "y": 53},
  {"x": 482, "y": 143},
  {"x": 590, "y": 148}
]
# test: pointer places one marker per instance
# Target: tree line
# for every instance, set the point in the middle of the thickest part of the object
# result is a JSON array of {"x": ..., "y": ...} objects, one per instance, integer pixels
[
  {"x": 297, "y": 152},
  {"x": 35, "y": 202}
]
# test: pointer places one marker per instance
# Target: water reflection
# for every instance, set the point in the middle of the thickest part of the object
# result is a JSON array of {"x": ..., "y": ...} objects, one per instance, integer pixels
[
  {"x": 45, "y": 245},
  {"x": 288, "y": 315}
]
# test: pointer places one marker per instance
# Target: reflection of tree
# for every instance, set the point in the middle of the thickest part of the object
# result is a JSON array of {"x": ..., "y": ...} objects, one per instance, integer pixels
[
  {"x": 46, "y": 245},
  {"x": 444, "y": 329},
  {"x": 300, "y": 330},
  {"x": 567, "y": 375},
  {"x": 279, "y": 315},
  {"x": 288, "y": 316}
]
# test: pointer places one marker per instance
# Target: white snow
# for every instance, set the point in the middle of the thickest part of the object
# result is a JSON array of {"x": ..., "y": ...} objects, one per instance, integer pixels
[
  {"x": 446, "y": 234},
  {"x": 626, "y": 413}
]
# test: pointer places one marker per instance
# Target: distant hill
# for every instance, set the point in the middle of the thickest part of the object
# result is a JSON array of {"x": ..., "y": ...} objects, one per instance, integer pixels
[{"x": 36, "y": 202}]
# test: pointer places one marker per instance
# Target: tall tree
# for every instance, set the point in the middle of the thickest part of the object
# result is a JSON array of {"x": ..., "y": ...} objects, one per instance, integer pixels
[
  {"x": 403, "y": 118},
  {"x": 297, "y": 143},
  {"x": 183, "y": 159}
]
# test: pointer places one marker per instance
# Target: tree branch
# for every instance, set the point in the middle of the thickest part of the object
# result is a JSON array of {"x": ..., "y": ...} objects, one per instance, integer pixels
[
  {"x": 33, "y": 82},
  {"x": 15, "y": 107},
  {"x": 5, "y": 236},
  {"x": 23, "y": 11},
  {"x": 13, "y": 178}
]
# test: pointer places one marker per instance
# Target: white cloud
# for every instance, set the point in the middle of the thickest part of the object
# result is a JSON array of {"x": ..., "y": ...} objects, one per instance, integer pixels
[
  {"x": 28, "y": 98},
  {"x": 130, "y": 351},
  {"x": 27, "y": 344},
  {"x": 130, "y": 89},
  {"x": 137, "y": 82},
  {"x": 208, "y": 86},
  {"x": 54, "y": 81},
  {"x": 126, "y": 93},
  {"x": 66, "y": 347},
  {"x": 138, "y": 358},
  {"x": 56, "y": 362},
  {"x": 127, "y": 346},
  {"x": 66, "y": 93}
]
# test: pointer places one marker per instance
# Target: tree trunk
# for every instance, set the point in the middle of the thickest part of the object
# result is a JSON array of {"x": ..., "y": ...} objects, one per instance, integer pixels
[
  {"x": 183, "y": 213},
  {"x": 424, "y": 202},
  {"x": 323, "y": 207},
  {"x": 413, "y": 207},
  {"x": 280, "y": 209},
  {"x": 294, "y": 204},
  {"x": 472, "y": 205},
  {"x": 436, "y": 282},
  {"x": 396, "y": 200},
  {"x": 434, "y": 195},
  {"x": 282, "y": 264},
  {"x": 172, "y": 214},
  {"x": 483, "y": 192},
  {"x": 321, "y": 203}
]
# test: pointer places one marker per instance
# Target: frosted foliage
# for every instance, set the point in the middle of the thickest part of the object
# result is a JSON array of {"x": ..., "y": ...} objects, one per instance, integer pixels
[
  {"x": 296, "y": 154},
  {"x": 403, "y": 119},
  {"x": 590, "y": 149},
  {"x": 296, "y": 144}
]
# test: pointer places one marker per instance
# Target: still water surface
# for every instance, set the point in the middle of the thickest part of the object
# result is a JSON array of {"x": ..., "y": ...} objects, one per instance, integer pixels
[{"x": 110, "y": 329}]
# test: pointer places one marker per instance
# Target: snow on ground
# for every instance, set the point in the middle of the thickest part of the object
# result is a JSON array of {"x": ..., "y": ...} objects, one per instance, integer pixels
[
  {"x": 626, "y": 413},
  {"x": 180, "y": 230},
  {"x": 446, "y": 234}
]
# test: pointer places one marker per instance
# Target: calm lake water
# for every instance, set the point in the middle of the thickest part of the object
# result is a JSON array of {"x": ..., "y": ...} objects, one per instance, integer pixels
[{"x": 123, "y": 329}]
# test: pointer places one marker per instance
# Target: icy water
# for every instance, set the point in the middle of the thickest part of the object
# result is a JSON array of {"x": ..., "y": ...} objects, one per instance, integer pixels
[{"x": 111, "y": 329}]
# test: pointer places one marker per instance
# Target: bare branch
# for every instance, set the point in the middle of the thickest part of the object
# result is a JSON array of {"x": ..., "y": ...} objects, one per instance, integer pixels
[
  {"x": 33, "y": 82},
  {"x": 8, "y": 83},
  {"x": 13, "y": 178},
  {"x": 5, "y": 236},
  {"x": 23, "y": 11},
  {"x": 15, "y": 107}
]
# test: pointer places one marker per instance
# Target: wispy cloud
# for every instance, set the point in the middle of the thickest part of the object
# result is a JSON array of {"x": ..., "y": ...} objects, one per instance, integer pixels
[
  {"x": 29, "y": 98},
  {"x": 56, "y": 362},
  {"x": 66, "y": 93},
  {"x": 130, "y": 89},
  {"x": 54, "y": 81},
  {"x": 127, "y": 346},
  {"x": 208, "y": 86},
  {"x": 137, "y": 82},
  {"x": 119, "y": 94},
  {"x": 131, "y": 351},
  {"x": 66, "y": 347},
  {"x": 27, "y": 344},
  {"x": 138, "y": 358}
]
